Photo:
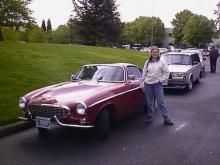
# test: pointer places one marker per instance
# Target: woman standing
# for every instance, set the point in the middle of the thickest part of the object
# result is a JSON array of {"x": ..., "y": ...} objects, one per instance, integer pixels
[{"x": 155, "y": 72}]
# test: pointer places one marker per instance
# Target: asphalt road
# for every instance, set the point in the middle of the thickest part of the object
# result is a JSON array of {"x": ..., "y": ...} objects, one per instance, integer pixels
[{"x": 193, "y": 140}]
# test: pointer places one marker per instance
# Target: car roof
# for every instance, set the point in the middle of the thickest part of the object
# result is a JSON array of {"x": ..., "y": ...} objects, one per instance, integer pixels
[
  {"x": 114, "y": 64},
  {"x": 192, "y": 50},
  {"x": 179, "y": 53}
]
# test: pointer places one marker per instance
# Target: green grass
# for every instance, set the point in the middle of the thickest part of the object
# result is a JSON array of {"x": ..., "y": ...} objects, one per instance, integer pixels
[{"x": 28, "y": 66}]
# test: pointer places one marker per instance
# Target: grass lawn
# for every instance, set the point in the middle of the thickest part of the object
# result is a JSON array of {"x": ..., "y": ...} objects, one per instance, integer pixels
[{"x": 28, "y": 66}]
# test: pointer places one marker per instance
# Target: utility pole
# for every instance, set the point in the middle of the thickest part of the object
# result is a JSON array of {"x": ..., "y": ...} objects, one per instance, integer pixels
[
  {"x": 152, "y": 24},
  {"x": 71, "y": 29},
  {"x": 152, "y": 32}
]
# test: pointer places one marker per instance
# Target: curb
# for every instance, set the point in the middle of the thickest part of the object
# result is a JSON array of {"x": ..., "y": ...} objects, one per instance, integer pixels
[{"x": 15, "y": 127}]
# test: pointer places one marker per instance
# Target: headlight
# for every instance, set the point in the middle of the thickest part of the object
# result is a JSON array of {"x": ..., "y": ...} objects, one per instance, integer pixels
[
  {"x": 22, "y": 103},
  {"x": 81, "y": 108},
  {"x": 177, "y": 75}
]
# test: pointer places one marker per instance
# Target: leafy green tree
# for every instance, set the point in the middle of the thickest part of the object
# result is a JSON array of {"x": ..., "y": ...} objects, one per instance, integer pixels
[
  {"x": 97, "y": 21},
  {"x": 74, "y": 35},
  {"x": 217, "y": 13},
  {"x": 14, "y": 13},
  {"x": 140, "y": 30},
  {"x": 61, "y": 35},
  {"x": 179, "y": 24},
  {"x": 43, "y": 25},
  {"x": 10, "y": 34},
  {"x": 198, "y": 31},
  {"x": 36, "y": 34},
  {"x": 49, "y": 26}
]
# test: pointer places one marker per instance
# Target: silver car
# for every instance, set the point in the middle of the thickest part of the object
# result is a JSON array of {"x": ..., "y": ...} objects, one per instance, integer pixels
[
  {"x": 185, "y": 69},
  {"x": 198, "y": 51}
]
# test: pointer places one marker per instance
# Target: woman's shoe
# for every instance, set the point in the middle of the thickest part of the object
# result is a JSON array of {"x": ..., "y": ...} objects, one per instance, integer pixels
[
  {"x": 149, "y": 119},
  {"x": 167, "y": 121}
]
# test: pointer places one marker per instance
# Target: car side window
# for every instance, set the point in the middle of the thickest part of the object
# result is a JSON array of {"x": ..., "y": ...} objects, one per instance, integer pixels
[
  {"x": 132, "y": 70},
  {"x": 196, "y": 58}
]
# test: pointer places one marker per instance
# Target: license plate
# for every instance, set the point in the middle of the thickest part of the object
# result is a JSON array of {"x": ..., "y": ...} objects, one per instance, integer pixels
[
  {"x": 42, "y": 122},
  {"x": 165, "y": 82}
]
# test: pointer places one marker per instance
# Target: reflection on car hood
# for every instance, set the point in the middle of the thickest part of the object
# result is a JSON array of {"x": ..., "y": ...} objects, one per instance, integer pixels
[
  {"x": 74, "y": 91},
  {"x": 179, "y": 68}
]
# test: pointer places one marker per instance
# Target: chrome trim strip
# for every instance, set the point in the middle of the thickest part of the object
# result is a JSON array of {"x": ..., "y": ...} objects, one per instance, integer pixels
[
  {"x": 113, "y": 96},
  {"x": 72, "y": 125},
  {"x": 175, "y": 87}
]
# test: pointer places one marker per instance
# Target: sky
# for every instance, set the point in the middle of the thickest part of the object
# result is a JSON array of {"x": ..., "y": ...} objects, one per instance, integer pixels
[{"x": 59, "y": 10}]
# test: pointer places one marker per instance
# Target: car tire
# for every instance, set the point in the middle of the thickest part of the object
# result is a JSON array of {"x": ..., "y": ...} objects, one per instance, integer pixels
[
  {"x": 203, "y": 72},
  {"x": 102, "y": 126},
  {"x": 199, "y": 78},
  {"x": 189, "y": 86}
]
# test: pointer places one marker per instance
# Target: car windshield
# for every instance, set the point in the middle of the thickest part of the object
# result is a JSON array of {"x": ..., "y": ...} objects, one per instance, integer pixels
[
  {"x": 179, "y": 59},
  {"x": 101, "y": 73}
]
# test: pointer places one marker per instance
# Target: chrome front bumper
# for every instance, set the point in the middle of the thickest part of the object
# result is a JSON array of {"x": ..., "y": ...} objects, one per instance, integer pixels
[
  {"x": 176, "y": 84},
  {"x": 57, "y": 122}
]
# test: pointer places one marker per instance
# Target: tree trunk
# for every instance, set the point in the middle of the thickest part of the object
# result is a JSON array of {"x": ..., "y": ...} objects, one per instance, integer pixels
[{"x": 1, "y": 35}]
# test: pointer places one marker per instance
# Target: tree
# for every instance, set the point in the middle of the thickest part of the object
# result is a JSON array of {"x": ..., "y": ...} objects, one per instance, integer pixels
[
  {"x": 61, "y": 35},
  {"x": 10, "y": 34},
  {"x": 198, "y": 31},
  {"x": 140, "y": 30},
  {"x": 217, "y": 12},
  {"x": 14, "y": 13},
  {"x": 179, "y": 24},
  {"x": 49, "y": 26},
  {"x": 97, "y": 21},
  {"x": 36, "y": 34},
  {"x": 43, "y": 26}
]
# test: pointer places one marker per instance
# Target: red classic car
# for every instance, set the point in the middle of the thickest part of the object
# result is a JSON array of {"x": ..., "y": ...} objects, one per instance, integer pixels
[{"x": 96, "y": 96}]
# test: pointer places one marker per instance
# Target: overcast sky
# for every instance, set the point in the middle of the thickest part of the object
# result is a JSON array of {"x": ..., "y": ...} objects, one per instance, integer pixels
[{"x": 60, "y": 10}]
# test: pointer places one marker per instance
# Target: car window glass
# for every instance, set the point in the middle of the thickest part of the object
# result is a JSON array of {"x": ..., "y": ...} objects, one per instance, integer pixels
[
  {"x": 179, "y": 59},
  {"x": 132, "y": 70},
  {"x": 101, "y": 73},
  {"x": 196, "y": 57}
]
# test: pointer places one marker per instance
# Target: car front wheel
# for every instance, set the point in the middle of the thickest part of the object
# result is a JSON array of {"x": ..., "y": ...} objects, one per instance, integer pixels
[
  {"x": 103, "y": 124},
  {"x": 190, "y": 84}
]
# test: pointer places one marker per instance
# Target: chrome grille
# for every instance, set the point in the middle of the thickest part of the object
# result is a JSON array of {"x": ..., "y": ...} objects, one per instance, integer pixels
[{"x": 48, "y": 111}]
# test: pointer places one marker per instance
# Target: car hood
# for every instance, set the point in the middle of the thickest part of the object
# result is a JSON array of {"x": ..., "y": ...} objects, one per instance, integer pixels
[
  {"x": 68, "y": 92},
  {"x": 179, "y": 68}
]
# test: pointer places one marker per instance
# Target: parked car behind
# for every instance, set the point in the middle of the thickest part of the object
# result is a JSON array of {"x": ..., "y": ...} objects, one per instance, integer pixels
[
  {"x": 185, "y": 69},
  {"x": 205, "y": 52},
  {"x": 145, "y": 49},
  {"x": 201, "y": 57},
  {"x": 163, "y": 50},
  {"x": 95, "y": 97}
]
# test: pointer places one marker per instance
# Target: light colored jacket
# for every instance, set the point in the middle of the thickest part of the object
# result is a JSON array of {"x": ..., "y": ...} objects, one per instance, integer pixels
[{"x": 155, "y": 72}]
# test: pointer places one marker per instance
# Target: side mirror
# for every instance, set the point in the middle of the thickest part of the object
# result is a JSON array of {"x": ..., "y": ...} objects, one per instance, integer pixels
[
  {"x": 72, "y": 77},
  {"x": 131, "y": 78}
]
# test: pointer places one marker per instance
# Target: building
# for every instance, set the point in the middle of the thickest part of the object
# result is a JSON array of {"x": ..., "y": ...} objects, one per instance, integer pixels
[{"x": 167, "y": 40}]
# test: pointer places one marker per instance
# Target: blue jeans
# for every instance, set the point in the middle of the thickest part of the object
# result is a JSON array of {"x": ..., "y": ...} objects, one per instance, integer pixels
[{"x": 155, "y": 91}]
